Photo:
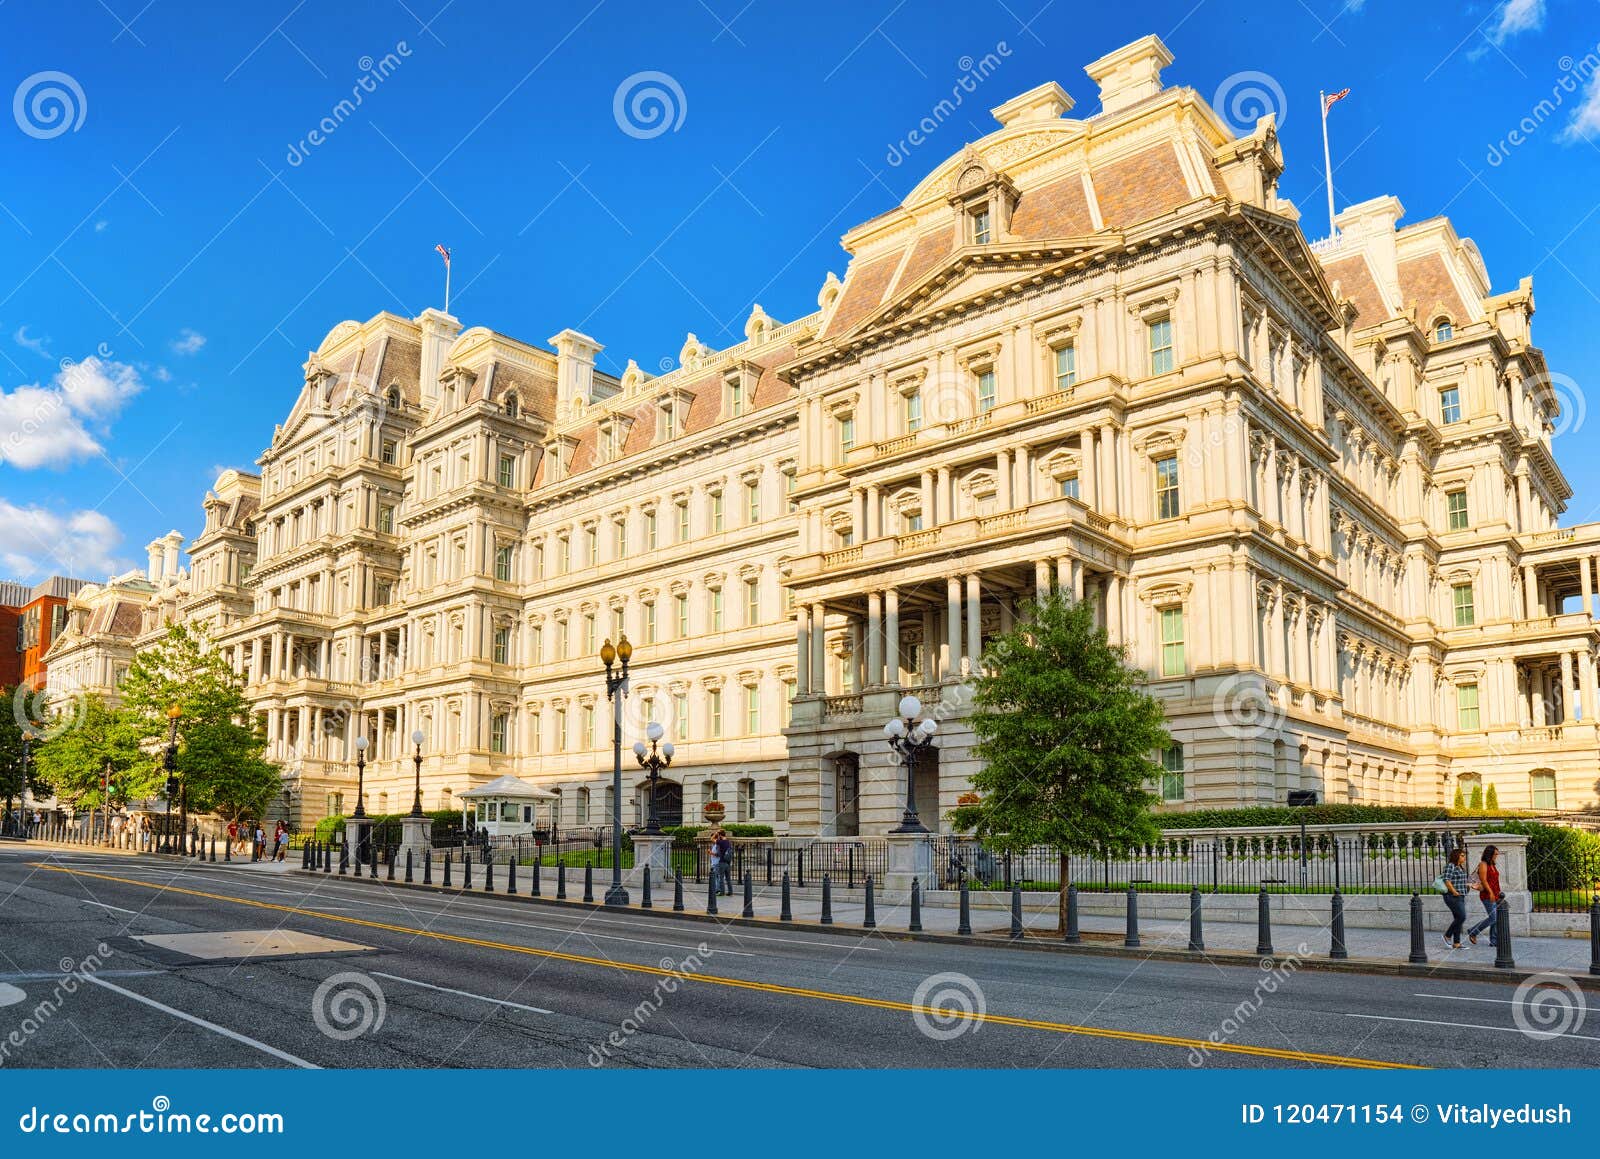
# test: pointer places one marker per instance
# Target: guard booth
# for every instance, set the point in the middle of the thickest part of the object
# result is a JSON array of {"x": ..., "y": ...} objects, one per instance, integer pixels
[{"x": 507, "y": 807}]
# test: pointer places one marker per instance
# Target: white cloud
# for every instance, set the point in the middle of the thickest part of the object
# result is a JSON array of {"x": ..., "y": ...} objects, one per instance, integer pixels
[
  {"x": 1585, "y": 120},
  {"x": 100, "y": 226},
  {"x": 29, "y": 342},
  {"x": 162, "y": 374},
  {"x": 1517, "y": 16},
  {"x": 189, "y": 341},
  {"x": 51, "y": 426},
  {"x": 38, "y": 542}
]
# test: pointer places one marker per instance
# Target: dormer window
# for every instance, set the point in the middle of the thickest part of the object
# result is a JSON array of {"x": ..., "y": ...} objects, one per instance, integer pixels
[
  {"x": 671, "y": 412},
  {"x": 1443, "y": 331},
  {"x": 511, "y": 406},
  {"x": 981, "y": 228},
  {"x": 392, "y": 398}
]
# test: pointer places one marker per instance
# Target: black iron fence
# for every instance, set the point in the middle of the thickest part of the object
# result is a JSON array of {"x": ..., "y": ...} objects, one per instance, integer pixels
[{"x": 1563, "y": 881}]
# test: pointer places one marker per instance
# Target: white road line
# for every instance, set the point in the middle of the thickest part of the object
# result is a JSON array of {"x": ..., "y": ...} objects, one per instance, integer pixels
[
  {"x": 107, "y": 905},
  {"x": 211, "y": 1026},
  {"x": 1465, "y": 1026},
  {"x": 1464, "y": 998},
  {"x": 463, "y": 993}
]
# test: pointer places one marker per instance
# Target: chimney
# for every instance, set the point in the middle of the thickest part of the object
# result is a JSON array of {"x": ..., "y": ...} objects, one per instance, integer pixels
[
  {"x": 173, "y": 543},
  {"x": 1048, "y": 102},
  {"x": 1130, "y": 74},
  {"x": 154, "y": 549},
  {"x": 439, "y": 330},
  {"x": 574, "y": 368}
]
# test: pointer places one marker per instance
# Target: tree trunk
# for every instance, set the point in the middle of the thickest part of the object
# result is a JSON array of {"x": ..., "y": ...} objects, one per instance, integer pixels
[{"x": 1061, "y": 903}]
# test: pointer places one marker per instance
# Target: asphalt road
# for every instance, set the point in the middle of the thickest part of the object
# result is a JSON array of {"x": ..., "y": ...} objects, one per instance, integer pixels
[{"x": 477, "y": 981}]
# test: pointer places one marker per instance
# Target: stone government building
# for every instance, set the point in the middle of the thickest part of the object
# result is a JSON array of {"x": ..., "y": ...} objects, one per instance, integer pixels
[{"x": 1309, "y": 484}]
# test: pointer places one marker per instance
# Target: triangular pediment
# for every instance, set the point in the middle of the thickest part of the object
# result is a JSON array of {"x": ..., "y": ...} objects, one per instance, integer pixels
[
  {"x": 1287, "y": 245},
  {"x": 975, "y": 274}
]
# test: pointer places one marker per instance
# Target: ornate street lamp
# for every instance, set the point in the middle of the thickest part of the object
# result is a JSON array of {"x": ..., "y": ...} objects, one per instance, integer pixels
[
  {"x": 169, "y": 761},
  {"x": 416, "y": 802},
  {"x": 908, "y": 736},
  {"x": 27, "y": 751},
  {"x": 361, "y": 775},
  {"x": 655, "y": 761},
  {"x": 616, "y": 689}
]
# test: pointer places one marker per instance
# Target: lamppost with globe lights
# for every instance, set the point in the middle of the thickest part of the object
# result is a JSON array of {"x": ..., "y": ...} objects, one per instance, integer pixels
[
  {"x": 616, "y": 689},
  {"x": 654, "y": 759},
  {"x": 416, "y": 801},
  {"x": 361, "y": 775},
  {"x": 908, "y": 737},
  {"x": 27, "y": 752},
  {"x": 169, "y": 762}
]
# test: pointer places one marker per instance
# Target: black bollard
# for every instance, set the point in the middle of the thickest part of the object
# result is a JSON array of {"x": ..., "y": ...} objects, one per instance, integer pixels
[
  {"x": 785, "y": 910},
  {"x": 1016, "y": 911},
  {"x": 427, "y": 866},
  {"x": 227, "y": 852},
  {"x": 488, "y": 873},
  {"x": 213, "y": 857},
  {"x": 749, "y": 910},
  {"x": 390, "y": 874},
  {"x": 1419, "y": 948},
  {"x": 1337, "y": 951},
  {"x": 588, "y": 882},
  {"x": 711, "y": 893},
  {"x": 964, "y": 923},
  {"x": 1130, "y": 937},
  {"x": 561, "y": 880},
  {"x": 344, "y": 858},
  {"x": 1594, "y": 936},
  {"x": 372, "y": 849},
  {"x": 1503, "y": 959},
  {"x": 538, "y": 872},
  {"x": 409, "y": 878},
  {"x": 1197, "y": 935},
  {"x": 916, "y": 907},
  {"x": 305, "y": 855},
  {"x": 511, "y": 874},
  {"x": 1263, "y": 922},
  {"x": 677, "y": 892},
  {"x": 827, "y": 900},
  {"x": 645, "y": 901},
  {"x": 327, "y": 857},
  {"x": 1072, "y": 937},
  {"x": 466, "y": 870},
  {"x": 447, "y": 869},
  {"x": 870, "y": 919}
]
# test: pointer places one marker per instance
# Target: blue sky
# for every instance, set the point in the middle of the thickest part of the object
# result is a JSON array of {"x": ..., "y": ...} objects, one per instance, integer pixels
[{"x": 180, "y": 238}]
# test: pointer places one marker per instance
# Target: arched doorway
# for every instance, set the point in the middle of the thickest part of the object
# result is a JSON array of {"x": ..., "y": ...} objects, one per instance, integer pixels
[{"x": 669, "y": 802}]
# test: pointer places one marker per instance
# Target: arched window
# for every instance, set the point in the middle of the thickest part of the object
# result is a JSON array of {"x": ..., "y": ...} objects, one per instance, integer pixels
[
  {"x": 392, "y": 398},
  {"x": 1443, "y": 331},
  {"x": 511, "y": 406}
]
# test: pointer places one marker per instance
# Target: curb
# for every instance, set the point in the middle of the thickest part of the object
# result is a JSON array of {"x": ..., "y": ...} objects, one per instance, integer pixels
[{"x": 1238, "y": 958}]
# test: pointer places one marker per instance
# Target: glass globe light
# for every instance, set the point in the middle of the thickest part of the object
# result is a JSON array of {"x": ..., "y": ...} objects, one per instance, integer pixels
[
  {"x": 361, "y": 744},
  {"x": 639, "y": 749},
  {"x": 653, "y": 730},
  {"x": 910, "y": 706},
  {"x": 895, "y": 729},
  {"x": 929, "y": 727},
  {"x": 667, "y": 750},
  {"x": 417, "y": 738}
]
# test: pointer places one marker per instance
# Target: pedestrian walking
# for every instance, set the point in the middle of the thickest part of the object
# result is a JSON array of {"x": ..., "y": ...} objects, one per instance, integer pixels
[
  {"x": 1487, "y": 882},
  {"x": 1454, "y": 883},
  {"x": 280, "y": 840},
  {"x": 722, "y": 859},
  {"x": 233, "y": 835},
  {"x": 260, "y": 843}
]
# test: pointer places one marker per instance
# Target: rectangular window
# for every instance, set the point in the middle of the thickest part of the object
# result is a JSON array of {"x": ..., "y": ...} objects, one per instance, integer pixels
[
  {"x": 752, "y": 603},
  {"x": 1467, "y": 707},
  {"x": 386, "y": 519},
  {"x": 913, "y": 411},
  {"x": 752, "y": 503},
  {"x": 588, "y": 634},
  {"x": 582, "y": 807},
  {"x": 1544, "y": 790},
  {"x": 735, "y": 398},
  {"x": 588, "y": 726},
  {"x": 847, "y": 435},
  {"x": 913, "y": 522},
  {"x": 1172, "y": 773},
  {"x": 650, "y": 530},
  {"x": 1172, "y": 660},
  {"x": 561, "y": 639},
  {"x": 507, "y": 474},
  {"x": 752, "y": 710},
  {"x": 1167, "y": 506},
  {"x": 502, "y": 645},
  {"x": 564, "y": 553},
  {"x": 535, "y": 733},
  {"x": 1069, "y": 487},
  {"x": 682, "y": 509},
  {"x": 1450, "y": 404},
  {"x": 747, "y": 801},
  {"x": 980, "y": 227},
  {"x": 650, "y": 622},
  {"x": 1066, "y": 366},
  {"x": 591, "y": 541},
  {"x": 619, "y": 538},
  {"x": 680, "y": 715},
  {"x": 714, "y": 712},
  {"x": 1161, "y": 361},
  {"x": 790, "y": 482},
  {"x": 502, "y": 563},
  {"x": 716, "y": 609},
  {"x": 536, "y": 643},
  {"x": 716, "y": 511},
  {"x": 1461, "y": 604},
  {"x": 986, "y": 391},
  {"x": 669, "y": 421},
  {"x": 388, "y": 453},
  {"x": 499, "y": 724},
  {"x": 789, "y": 687},
  {"x": 680, "y": 608},
  {"x": 1456, "y": 506},
  {"x": 780, "y": 800},
  {"x": 561, "y": 731}
]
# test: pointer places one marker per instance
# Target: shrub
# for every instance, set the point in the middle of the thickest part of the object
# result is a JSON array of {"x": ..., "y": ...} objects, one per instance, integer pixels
[
  {"x": 1559, "y": 858},
  {"x": 684, "y": 835},
  {"x": 1476, "y": 801},
  {"x": 1310, "y": 815},
  {"x": 1492, "y": 800},
  {"x": 1460, "y": 801}
]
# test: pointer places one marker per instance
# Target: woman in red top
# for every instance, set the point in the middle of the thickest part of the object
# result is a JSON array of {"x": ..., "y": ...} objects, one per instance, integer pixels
[{"x": 1489, "y": 894}]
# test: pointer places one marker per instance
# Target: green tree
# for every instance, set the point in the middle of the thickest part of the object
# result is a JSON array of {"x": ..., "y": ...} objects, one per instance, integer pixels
[
  {"x": 1067, "y": 736},
  {"x": 13, "y": 713},
  {"x": 80, "y": 744},
  {"x": 1492, "y": 800},
  {"x": 1476, "y": 801},
  {"x": 220, "y": 743},
  {"x": 1461, "y": 800}
]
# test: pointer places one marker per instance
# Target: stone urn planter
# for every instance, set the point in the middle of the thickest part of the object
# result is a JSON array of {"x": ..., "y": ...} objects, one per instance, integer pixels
[{"x": 714, "y": 812}]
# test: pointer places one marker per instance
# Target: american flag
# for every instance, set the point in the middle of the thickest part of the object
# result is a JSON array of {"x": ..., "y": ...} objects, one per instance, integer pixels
[
  {"x": 1328, "y": 101},
  {"x": 445, "y": 253}
]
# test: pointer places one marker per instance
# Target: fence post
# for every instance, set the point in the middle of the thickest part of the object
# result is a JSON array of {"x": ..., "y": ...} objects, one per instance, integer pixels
[
  {"x": 1338, "y": 951},
  {"x": 644, "y": 897},
  {"x": 1263, "y": 922},
  {"x": 786, "y": 911},
  {"x": 916, "y": 907},
  {"x": 1594, "y": 936},
  {"x": 749, "y": 910},
  {"x": 964, "y": 924},
  {"x": 588, "y": 882},
  {"x": 769, "y": 865},
  {"x": 1072, "y": 937},
  {"x": 1016, "y": 909},
  {"x": 800, "y": 867},
  {"x": 870, "y": 919},
  {"x": 1419, "y": 948},
  {"x": 711, "y": 893},
  {"x": 1131, "y": 935},
  {"x": 1503, "y": 959},
  {"x": 850, "y": 866},
  {"x": 1197, "y": 940},
  {"x": 677, "y": 892},
  {"x": 827, "y": 900},
  {"x": 561, "y": 878}
]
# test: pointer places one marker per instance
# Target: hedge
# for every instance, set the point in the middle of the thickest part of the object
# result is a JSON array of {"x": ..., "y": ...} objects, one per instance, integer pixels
[
  {"x": 445, "y": 823},
  {"x": 686, "y": 834},
  {"x": 1309, "y": 814},
  {"x": 1559, "y": 858}
]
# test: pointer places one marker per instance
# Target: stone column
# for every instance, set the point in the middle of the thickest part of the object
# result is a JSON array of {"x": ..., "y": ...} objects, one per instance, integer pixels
[
  {"x": 1569, "y": 702},
  {"x": 1586, "y": 683},
  {"x": 1530, "y": 592},
  {"x": 802, "y": 640},
  {"x": 974, "y": 622},
  {"x": 1088, "y": 489},
  {"x": 944, "y": 500},
  {"x": 891, "y": 636},
  {"x": 952, "y": 626},
  {"x": 1002, "y": 474},
  {"x": 819, "y": 656},
  {"x": 928, "y": 510},
  {"x": 874, "y": 512},
  {"x": 874, "y": 673},
  {"x": 1041, "y": 578},
  {"x": 1588, "y": 586}
]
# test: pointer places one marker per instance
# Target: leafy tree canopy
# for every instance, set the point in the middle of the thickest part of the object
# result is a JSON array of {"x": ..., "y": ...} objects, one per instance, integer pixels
[{"x": 81, "y": 744}]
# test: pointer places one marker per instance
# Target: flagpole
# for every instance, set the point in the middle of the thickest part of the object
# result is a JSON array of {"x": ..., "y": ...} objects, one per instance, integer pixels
[
  {"x": 447, "y": 260},
  {"x": 1327, "y": 162}
]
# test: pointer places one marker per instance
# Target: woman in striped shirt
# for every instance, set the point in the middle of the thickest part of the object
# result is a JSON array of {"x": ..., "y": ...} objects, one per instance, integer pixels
[{"x": 1455, "y": 896}]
